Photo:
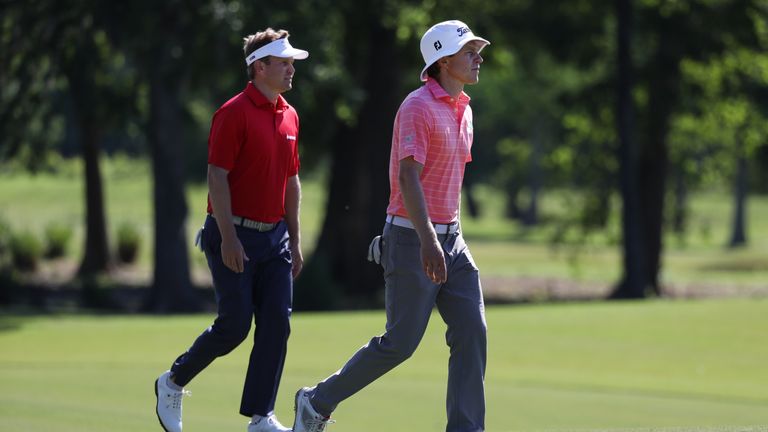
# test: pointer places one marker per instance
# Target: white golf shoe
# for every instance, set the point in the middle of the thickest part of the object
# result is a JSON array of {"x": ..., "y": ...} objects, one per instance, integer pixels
[
  {"x": 168, "y": 404},
  {"x": 307, "y": 419},
  {"x": 267, "y": 424}
]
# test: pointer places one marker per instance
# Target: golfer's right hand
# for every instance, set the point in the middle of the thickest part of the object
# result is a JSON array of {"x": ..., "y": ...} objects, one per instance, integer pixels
[
  {"x": 433, "y": 261},
  {"x": 232, "y": 254}
]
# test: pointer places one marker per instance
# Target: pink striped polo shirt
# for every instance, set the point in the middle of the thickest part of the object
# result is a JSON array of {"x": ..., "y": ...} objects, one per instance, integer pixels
[{"x": 437, "y": 131}]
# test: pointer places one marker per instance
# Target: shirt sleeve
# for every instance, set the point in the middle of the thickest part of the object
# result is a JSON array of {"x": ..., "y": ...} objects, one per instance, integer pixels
[
  {"x": 226, "y": 138},
  {"x": 470, "y": 133},
  {"x": 295, "y": 162},
  {"x": 412, "y": 131}
]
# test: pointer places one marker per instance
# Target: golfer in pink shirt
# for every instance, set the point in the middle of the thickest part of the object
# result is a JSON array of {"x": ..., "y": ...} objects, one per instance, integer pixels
[{"x": 425, "y": 260}]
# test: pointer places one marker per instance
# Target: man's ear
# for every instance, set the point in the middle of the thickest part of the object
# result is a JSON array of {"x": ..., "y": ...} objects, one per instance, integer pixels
[{"x": 258, "y": 67}]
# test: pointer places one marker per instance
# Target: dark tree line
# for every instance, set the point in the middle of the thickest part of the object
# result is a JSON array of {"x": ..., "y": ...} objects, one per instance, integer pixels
[{"x": 574, "y": 94}]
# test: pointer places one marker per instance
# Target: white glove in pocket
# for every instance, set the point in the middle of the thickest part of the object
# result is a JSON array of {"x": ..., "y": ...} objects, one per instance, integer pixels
[{"x": 374, "y": 250}]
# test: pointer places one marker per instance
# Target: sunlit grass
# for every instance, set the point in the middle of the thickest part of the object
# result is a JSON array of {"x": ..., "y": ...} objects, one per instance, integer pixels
[
  {"x": 502, "y": 248},
  {"x": 652, "y": 365}
]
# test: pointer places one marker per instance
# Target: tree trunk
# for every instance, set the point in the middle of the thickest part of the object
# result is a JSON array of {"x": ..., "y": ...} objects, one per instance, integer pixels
[
  {"x": 87, "y": 103},
  {"x": 512, "y": 208},
  {"x": 473, "y": 206},
  {"x": 531, "y": 215},
  {"x": 738, "y": 233},
  {"x": 171, "y": 289},
  {"x": 96, "y": 256},
  {"x": 633, "y": 281},
  {"x": 338, "y": 274},
  {"x": 680, "y": 212},
  {"x": 664, "y": 79}
]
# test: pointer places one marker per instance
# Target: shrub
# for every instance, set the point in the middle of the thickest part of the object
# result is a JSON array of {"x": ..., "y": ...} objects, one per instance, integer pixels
[
  {"x": 128, "y": 242},
  {"x": 5, "y": 240},
  {"x": 8, "y": 283},
  {"x": 26, "y": 251},
  {"x": 57, "y": 238}
]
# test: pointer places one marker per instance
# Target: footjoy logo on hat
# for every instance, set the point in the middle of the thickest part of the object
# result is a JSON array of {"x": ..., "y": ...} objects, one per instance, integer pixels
[{"x": 446, "y": 38}]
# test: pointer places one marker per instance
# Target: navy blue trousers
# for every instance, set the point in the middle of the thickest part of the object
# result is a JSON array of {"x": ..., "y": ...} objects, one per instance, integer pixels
[{"x": 262, "y": 293}]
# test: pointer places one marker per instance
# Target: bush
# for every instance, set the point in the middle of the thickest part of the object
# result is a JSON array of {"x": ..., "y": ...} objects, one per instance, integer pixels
[
  {"x": 57, "y": 238},
  {"x": 26, "y": 251},
  {"x": 128, "y": 242},
  {"x": 8, "y": 283},
  {"x": 5, "y": 240}
]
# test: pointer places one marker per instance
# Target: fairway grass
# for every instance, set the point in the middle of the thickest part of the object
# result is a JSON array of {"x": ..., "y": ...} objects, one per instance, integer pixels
[{"x": 668, "y": 366}]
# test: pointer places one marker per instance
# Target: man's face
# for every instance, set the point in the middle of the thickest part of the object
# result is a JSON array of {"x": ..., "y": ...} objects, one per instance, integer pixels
[
  {"x": 278, "y": 74},
  {"x": 464, "y": 66}
]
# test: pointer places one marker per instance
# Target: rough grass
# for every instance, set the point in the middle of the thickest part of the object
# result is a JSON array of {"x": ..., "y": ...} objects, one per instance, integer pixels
[
  {"x": 668, "y": 366},
  {"x": 503, "y": 249}
]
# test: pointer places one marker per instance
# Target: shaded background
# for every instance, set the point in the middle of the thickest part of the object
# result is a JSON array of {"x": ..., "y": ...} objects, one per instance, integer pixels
[{"x": 632, "y": 104}]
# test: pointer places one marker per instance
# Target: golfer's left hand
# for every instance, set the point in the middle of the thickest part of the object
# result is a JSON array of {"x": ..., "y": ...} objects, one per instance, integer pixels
[{"x": 297, "y": 258}]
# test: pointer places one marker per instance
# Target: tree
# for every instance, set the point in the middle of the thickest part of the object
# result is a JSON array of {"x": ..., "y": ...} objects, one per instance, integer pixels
[
  {"x": 69, "y": 48},
  {"x": 358, "y": 186},
  {"x": 677, "y": 31},
  {"x": 81, "y": 68},
  {"x": 634, "y": 281},
  {"x": 724, "y": 125},
  {"x": 165, "y": 68}
]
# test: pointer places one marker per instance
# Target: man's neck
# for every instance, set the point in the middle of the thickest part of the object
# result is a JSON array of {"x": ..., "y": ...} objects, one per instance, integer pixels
[
  {"x": 268, "y": 93},
  {"x": 451, "y": 86}
]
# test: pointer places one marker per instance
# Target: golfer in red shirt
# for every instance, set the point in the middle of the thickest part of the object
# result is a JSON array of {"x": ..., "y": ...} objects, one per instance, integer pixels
[{"x": 251, "y": 235}]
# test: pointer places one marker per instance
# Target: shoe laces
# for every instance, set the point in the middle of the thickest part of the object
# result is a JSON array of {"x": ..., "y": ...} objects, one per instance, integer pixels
[
  {"x": 318, "y": 424},
  {"x": 173, "y": 398}
]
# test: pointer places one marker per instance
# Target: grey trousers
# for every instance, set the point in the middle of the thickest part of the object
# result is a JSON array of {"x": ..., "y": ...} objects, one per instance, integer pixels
[{"x": 410, "y": 298}]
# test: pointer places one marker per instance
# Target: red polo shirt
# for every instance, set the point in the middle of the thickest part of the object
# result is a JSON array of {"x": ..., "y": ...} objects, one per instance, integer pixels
[{"x": 257, "y": 142}]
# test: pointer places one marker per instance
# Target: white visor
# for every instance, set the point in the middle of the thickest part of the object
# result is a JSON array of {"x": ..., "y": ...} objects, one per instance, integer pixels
[{"x": 277, "y": 48}]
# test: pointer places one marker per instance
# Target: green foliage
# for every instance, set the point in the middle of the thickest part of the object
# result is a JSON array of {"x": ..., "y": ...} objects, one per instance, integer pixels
[
  {"x": 128, "y": 242},
  {"x": 26, "y": 251},
  {"x": 57, "y": 237},
  {"x": 544, "y": 109},
  {"x": 723, "y": 120},
  {"x": 8, "y": 279},
  {"x": 5, "y": 240}
]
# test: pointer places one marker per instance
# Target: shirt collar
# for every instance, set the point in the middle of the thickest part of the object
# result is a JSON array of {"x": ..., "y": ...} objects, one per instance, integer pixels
[
  {"x": 438, "y": 92},
  {"x": 260, "y": 100}
]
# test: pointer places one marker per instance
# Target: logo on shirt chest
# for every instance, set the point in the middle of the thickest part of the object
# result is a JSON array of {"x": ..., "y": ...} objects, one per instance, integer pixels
[{"x": 290, "y": 137}]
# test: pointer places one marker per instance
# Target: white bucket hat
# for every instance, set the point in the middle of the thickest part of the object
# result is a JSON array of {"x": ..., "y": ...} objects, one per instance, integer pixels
[
  {"x": 278, "y": 48},
  {"x": 444, "y": 39}
]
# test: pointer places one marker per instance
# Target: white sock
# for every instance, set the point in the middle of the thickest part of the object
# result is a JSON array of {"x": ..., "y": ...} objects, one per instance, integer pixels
[{"x": 173, "y": 385}]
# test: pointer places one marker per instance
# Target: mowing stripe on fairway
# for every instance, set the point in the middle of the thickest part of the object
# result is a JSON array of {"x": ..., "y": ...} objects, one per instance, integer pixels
[{"x": 673, "y": 429}]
